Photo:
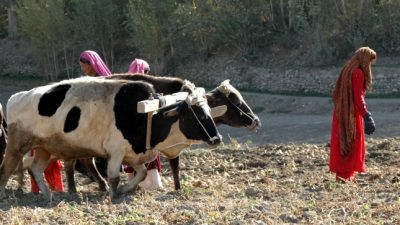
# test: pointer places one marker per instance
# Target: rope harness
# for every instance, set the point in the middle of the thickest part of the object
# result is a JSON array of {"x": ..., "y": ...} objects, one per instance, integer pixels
[
  {"x": 253, "y": 120},
  {"x": 150, "y": 115}
]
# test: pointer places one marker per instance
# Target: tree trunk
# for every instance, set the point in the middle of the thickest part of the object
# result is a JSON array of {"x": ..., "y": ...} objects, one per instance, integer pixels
[
  {"x": 272, "y": 14},
  {"x": 344, "y": 8},
  {"x": 360, "y": 8},
  {"x": 12, "y": 20},
  {"x": 48, "y": 66},
  {"x": 55, "y": 63},
  {"x": 112, "y": 52},
  {"x": 283, "y": 15},
  {"x": 72, "y": 63},
  {"x": 290, "y": 15},
  {"x": 65, "y": 60}
]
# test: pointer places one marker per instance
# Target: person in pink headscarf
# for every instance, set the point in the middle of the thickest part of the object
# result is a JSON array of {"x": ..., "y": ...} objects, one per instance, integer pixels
[
  {"x": 92, "y": 65},
  {"x": 153, "y": 179},
  {"x": 139, "y": 66}
]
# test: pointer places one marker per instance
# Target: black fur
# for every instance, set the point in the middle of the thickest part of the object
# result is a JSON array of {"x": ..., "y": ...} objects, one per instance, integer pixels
[
  {"x": 162, "y": 85},
  {"x": 3, "y": 135},
  {"x": 131, "y": 123},
  {"x": 52, "y": 100},
  {"x": 72, "y": 120}
]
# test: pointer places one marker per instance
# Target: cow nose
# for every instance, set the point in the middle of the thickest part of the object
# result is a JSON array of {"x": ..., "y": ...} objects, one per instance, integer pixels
[
  {"x": 255, "y": 124},
  {"x": 215, "y": 141},
  {"x": 258, "y": 122}
]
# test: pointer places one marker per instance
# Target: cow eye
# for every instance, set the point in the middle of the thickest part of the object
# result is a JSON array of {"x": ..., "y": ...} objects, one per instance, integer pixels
[
  {"x": 204, "y": 111},
  {"x": 236, "y": 101}
]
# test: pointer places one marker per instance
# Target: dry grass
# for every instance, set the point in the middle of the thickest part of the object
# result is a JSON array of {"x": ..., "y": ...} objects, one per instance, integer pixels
[{"x": 240, "y": 184}]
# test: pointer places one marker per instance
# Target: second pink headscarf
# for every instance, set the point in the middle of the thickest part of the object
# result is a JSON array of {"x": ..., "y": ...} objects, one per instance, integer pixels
[{"x": 138, "y": 66}]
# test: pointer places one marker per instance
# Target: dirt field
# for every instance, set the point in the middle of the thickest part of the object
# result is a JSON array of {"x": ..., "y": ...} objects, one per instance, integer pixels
[
  {"x": 235, "y": 184},
  {"x": 278, "y": 175}
]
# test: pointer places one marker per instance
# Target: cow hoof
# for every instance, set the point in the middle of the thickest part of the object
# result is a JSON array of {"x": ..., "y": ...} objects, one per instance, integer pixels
[
  {"x": 19, "y": 191},
  {"x": 50, "y": 197},
  {"x": 72, "y": 191},
  {"x": 2, "y": 194},
  {"x": 102, "y": 187},
  {"x": 114, "y": 195}
]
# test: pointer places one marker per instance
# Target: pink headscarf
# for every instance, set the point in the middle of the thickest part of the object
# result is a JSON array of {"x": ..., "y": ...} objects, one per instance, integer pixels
[
  {"x": 139, "y": 66},
  {"x": 96, "y": 62}
]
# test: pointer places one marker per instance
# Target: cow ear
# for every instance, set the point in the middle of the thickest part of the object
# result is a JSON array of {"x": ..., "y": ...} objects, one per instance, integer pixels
[
  {"x": 171, "y": 113},
  {"x": 218, "y": 111}
]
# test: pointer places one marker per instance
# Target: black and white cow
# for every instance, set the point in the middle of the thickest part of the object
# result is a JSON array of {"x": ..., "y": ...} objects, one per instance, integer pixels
[
  {"x": 238, "y": 113},
  {"x": 91, "y": 117}
]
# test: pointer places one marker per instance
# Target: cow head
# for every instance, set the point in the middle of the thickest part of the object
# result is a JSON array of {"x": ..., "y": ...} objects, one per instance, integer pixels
[
  {"x": 238, "y": 113},
  {"x": 189, "y": 87},
  {"x": 195, "y": 120}
]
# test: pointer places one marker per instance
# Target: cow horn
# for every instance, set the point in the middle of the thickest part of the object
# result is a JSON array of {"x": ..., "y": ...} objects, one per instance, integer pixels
[{"x": 224, "y": 88}]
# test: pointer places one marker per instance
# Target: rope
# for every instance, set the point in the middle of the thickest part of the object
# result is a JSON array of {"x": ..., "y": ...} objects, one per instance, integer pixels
[
  {"x": 241, "y": 111},
  {"x": 204, "y": 129}
]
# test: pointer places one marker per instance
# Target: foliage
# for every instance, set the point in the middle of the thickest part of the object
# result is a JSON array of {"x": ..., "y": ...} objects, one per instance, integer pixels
[
  {"x": 148, "y": 25},
  {"x": 196, "y": 21},
  {"x": 243, "y": 25},
  {"x": 59, "y": 30},
  {"x": 95, "y": 25},
  {"x": 3, "y": 22},
  {"x": 167, "y": 33},
  {"x": 48, "y": 29}
]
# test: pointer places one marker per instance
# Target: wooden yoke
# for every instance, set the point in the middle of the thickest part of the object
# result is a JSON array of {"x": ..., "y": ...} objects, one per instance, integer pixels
[
  {"x": 148, "y": 130},
  {"x": 150, "y": 107}
]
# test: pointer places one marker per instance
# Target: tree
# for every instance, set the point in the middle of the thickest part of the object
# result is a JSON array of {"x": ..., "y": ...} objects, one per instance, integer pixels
[
  {"x": 48, "y": 28},
  {"x": 11, "y": 17},
  {"x": 147, "y": 21},
  {"x": 95, "y": 26}
]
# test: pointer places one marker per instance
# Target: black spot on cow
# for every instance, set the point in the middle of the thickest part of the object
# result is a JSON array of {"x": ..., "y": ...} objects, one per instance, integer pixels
[
  {"x": 72, "y": 120},
  {"x": 52, "y": 99},
  {"x": 131, "y": 123}
]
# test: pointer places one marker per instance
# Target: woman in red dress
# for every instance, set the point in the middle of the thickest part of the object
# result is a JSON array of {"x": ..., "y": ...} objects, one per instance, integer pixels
[{"x": 350, "y": 116}]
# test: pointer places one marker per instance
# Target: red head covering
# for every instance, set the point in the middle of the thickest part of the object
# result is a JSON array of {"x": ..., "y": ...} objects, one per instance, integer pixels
[{"x": 343, "y": 94}]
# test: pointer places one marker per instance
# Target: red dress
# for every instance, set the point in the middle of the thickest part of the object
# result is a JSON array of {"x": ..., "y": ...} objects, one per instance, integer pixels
[
  {"x": 345, "y": 167},
  {"x": 52, "y": 174}
]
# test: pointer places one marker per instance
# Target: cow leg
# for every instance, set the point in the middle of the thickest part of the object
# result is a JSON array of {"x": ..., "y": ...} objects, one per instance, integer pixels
[
  {"x": 8, "y": 167},
  {"x": 114, "y": 163},
  {"x": 39, "y": 164},
  {"x": 18, "y": 145},
  {"x": 174, "y": 163},
  {"x": 69, "y": 167},
  {"x": 3, "y": 142},
  {"x": 141, "y": 173},
  {"x": 91, "y": 167},
  {"x": 20, "y": 175}
]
